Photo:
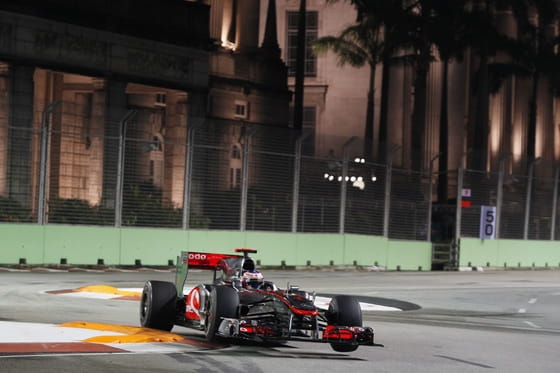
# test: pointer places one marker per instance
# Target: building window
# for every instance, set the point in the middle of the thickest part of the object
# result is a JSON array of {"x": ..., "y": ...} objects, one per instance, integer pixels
[
  {"x": 155, "y": 166},
  {"x": 234, "y": 178},
  {"x": 160, "y": 100},
  {"x": 236, "y": 152},
  {"x": 235, "y": 164},
  {"x": 311, "y": 26},
  {"x": 241, "y": 109}
]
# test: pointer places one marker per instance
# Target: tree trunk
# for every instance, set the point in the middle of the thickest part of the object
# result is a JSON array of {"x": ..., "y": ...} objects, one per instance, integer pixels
[
  {"x": 480, "y": 138},
  {"x": 443, "y": 136},
  {"x": 384, "y": 111},
  {"x": 368, "y": 135},
  {"x": 419, "y": 115}
]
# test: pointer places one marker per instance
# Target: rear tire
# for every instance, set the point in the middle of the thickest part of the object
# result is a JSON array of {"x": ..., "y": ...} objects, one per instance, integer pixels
[
  {"x": 224, "y": 302},
  {"x": 158, "y": 306},
  {"x": 344, "y": 310}
]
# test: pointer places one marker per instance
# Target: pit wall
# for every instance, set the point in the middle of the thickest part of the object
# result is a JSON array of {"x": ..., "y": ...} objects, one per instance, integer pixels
[
  {"x": 509, "y": 253},
  {"x": 84, "y": 245}
]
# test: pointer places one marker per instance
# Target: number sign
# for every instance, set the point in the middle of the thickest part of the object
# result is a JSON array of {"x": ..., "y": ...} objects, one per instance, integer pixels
[{"x": 487, "y": 222}]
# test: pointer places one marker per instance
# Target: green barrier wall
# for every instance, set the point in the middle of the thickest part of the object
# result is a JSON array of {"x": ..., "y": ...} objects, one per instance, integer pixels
[
  {"x": 509, "y": 253},
  {"x": 84, "y": 245}
]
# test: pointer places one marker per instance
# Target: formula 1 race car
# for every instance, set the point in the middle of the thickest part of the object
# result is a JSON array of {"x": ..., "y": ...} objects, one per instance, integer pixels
[{"x": 239, "y": 304}]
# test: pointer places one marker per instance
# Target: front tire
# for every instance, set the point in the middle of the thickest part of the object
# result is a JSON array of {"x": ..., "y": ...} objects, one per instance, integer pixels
[
  {"x": 344, "y": 310},
  {"x": 158, "y": 306},
  {"x": 224, "y": 303}
]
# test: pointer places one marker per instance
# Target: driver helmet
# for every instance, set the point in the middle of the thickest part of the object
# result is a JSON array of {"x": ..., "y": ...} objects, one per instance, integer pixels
[{"x": 252, "y": 279}]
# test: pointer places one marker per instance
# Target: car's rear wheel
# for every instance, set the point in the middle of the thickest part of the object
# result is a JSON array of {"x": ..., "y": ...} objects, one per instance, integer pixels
[
  {"x": 344, "y": 310},
  {"x": 224, "y": 303},
  {"x": 158, "y": 306}
]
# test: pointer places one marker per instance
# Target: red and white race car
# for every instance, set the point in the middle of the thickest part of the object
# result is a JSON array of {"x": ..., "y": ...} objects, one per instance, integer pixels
[{"x": 239, "y": 304}]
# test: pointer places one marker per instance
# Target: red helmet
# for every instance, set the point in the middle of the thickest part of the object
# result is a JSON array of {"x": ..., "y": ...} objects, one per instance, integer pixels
[{"x": 252, "y": 279}]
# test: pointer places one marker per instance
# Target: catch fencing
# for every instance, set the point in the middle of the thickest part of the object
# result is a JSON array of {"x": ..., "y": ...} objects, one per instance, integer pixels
[{"x": 72, "y": 163}]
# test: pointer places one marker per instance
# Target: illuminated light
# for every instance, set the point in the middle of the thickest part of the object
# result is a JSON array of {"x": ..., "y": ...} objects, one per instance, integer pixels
[
  {"x": 362, "y": 161},
  {"x": 331, "y": 178},
  {"x": 340, "y": 178},
  {"x": 353, "y": 178},
  {"x": 465, "y": 204},
  {"x": 374, "y": 178},
  {"x": 326, "y": 175},
  {"x": 229, "y": 45},
  {"x": 359, "y": 184},
  {"x": 360, "y": 178},
  {"x": 346, "y": 178},
  {"x": 357, "y": 160}
]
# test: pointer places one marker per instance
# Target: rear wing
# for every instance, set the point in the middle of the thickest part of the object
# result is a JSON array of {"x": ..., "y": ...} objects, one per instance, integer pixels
[{"x": 197, "y": 260}]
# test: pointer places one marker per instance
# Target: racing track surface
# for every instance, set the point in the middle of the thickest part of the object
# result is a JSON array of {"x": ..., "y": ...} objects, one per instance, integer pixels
[{"x": 468, "y": 322}]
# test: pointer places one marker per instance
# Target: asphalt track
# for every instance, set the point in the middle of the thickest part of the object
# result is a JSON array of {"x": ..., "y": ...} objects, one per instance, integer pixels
[{"x": 88, "y": 321}]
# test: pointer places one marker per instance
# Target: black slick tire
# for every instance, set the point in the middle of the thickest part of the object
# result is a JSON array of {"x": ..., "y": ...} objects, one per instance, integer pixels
[
  {"x": 344, "y": 310},
  {"x": 224, "y": 303},
  {"x": 158, "y": 305}
]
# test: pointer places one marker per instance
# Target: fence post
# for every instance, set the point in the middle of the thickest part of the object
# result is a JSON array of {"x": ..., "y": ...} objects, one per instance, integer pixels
[
  {"x": 387, "y": 202},
  {"x": 120, "y": 167},
  {"x": 554, "y": 205},
  {"x": 244, "y": 181},
  {"x": 45, "y": 132},
  {"x": 500, "y": 196},
  {"x": 455, "y": 253},
  {"x": 187, "y": 182},
  {"x": 430, "y": 199},
  {"x": 297, "y": 174},
  {"x": 345, "y": 156},
  {"x": 528, "y": 198}
]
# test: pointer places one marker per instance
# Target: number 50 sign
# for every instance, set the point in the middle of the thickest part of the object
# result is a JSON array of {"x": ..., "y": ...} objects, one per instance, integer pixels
[{"x": 487, "y": 222}]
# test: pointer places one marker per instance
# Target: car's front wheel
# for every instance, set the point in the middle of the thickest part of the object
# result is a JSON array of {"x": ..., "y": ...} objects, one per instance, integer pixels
[
  {"x": 224, "y": 303},
  {"x": 158, "y": 305},
  {"x": 344, "y": 310}
]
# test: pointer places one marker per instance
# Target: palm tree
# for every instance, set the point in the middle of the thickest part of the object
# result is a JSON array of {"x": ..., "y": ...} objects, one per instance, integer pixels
[
  {"x": 448, "y": 29},
  {"x": 532, "y": 57},
  {"x": 358, "y": 45},
  {"x": 386, "y": 36},
  {"x": 540, "y": 47}
]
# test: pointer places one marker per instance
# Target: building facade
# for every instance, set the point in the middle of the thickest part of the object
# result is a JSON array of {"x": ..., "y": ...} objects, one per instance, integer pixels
[
  {"x": 335, "y": 99},
  {"x": 149, "y": 71}
]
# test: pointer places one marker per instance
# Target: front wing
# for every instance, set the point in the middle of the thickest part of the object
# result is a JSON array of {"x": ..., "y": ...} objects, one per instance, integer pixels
[{"x": 257, "y": 331}]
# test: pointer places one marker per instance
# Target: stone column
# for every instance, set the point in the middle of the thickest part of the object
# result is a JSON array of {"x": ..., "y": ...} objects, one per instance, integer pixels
[
  {"x": 20, "y": 139},
  {"x": 175, "y": 147},
  {"x": 247, "y": 25},
  {"x": 196, "y": 114},
  {"x": 95, "y": 142},
  {"x": 115, "y": 110}
]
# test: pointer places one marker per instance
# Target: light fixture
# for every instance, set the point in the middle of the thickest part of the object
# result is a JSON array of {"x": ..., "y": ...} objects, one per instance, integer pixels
[
  {"x": 340, "y": 178},
  {"x": 374, "y": 178},
  {"x": 359, "y": 184},
  {"x": 326, "y": 175},
  {"x": 331, "y": 178},
  {"x": 353, "y": 178},
  {"x": 357, "y": 160}
]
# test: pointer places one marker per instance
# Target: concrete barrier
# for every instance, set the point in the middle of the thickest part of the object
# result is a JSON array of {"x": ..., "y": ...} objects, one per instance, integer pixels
[{"x": 90, "y": 245}]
